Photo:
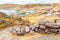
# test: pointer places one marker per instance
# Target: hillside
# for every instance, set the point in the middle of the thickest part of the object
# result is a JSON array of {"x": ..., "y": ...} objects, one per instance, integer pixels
[{"x": 46, "y": 12}]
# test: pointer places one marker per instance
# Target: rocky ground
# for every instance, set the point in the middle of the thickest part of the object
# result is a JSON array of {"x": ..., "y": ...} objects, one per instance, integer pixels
[{"x": 6, "y": 35}]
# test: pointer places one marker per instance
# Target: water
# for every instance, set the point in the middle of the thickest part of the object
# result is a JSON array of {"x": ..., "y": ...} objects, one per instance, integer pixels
[
  {"x": 8, "y": 12},
  {"x": 14, "y": 12}
]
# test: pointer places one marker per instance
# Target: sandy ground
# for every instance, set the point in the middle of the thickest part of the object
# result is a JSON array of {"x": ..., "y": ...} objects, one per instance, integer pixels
[{"x": 6, "y": 35}]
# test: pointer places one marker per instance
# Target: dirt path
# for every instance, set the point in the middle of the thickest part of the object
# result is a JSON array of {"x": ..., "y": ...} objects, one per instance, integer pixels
[{"x": 4, "y": 32}]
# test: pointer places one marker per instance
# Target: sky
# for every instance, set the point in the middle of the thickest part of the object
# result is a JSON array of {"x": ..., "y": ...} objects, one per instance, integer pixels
[{"x": 27, "y": 1}]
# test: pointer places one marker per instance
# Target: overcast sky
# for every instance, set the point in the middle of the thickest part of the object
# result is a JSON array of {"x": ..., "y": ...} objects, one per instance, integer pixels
[{"x": 28, "y": 1}]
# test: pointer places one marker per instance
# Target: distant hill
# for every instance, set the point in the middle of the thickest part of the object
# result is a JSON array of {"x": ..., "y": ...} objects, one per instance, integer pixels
[{"x": 3, "y": 6}]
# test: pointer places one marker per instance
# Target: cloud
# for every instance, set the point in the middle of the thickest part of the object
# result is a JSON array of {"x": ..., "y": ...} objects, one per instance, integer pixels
[{"x": 28, "y": 1}]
